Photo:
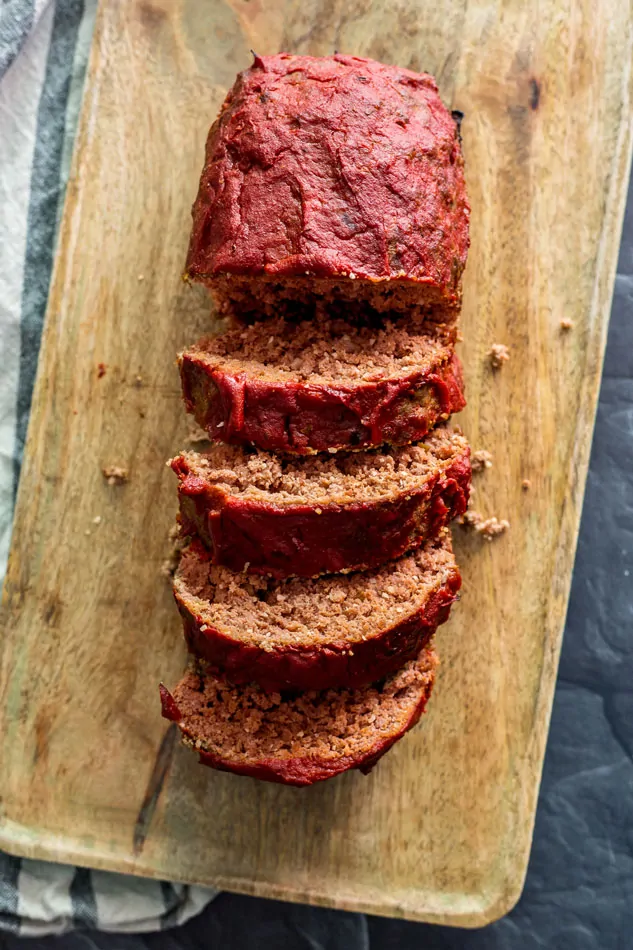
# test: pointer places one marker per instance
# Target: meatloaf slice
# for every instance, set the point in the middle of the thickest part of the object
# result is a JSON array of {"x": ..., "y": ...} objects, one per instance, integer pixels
[
  {"x": 314, "y": 387},
  {"x": 302, "y": 739},
  {"x": 332, "y": 180},
  {"x": 338, "y": 630},
  {"x": 318, "y": 515}
]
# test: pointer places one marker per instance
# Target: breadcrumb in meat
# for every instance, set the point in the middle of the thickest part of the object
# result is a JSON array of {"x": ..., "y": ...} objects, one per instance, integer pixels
[
  {"x": 313, "y": 515},
  {"x": 309, "y": 387},
  {"x": 337, "y": 630},
  {"x": 301, "y": 738}
]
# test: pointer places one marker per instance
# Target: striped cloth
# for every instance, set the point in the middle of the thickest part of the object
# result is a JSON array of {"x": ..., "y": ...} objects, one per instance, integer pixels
[{"x": 44, "y": 46}]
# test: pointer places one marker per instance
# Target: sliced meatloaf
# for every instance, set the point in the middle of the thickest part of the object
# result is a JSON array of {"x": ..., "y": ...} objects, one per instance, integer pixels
[
  {"x": 302, "y": 739},
  {"x": 314, "y": 387},
  {"x": 332, "y": 180},
  {"x": 289, "y": 516},
  {"x": 338, "y": 630}
]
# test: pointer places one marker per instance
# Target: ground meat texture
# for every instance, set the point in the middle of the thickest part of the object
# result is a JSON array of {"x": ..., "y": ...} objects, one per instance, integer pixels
[
  {"x": 338, "y": 630},
  {"x": 297, "y": 740},
  {"x": 314, "y": 387},
  {"x": 309, "y": 516},
  {"x": 330, "y": 181}
]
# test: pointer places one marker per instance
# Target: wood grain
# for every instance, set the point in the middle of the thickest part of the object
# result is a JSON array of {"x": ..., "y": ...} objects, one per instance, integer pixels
[{"x": 441, "y": 830}]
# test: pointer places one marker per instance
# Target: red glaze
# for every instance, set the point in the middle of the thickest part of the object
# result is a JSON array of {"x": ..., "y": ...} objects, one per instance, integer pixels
[
  {"x": 300, "y": 771},
  {"x": 333, "y": 166},
  {"x": 169, "y": 706},
  {"x": 303, "y": 418},
  {"x": 324, "y": 666},
  {"x": 305, "y": 541}
]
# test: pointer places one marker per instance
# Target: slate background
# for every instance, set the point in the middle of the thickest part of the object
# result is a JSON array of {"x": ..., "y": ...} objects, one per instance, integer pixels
[{"x": 579, "y": 889}]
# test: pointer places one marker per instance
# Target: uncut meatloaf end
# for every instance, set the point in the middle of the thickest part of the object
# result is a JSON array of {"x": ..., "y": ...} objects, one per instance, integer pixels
[
  {"x": 304, "y": 517},
  {"x": 307, "y": 388},
  {"x": 329, "y": 182},
  {"x": 297, "y": 740},
  {"x": 299, "y": 634}
]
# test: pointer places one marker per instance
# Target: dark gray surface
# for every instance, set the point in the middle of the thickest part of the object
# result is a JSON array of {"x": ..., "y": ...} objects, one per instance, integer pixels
[{"x": 579, "y": 890}]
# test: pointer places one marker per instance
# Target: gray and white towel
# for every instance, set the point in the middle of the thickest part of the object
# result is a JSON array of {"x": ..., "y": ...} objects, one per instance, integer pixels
[{"x": 44, "y": 46}]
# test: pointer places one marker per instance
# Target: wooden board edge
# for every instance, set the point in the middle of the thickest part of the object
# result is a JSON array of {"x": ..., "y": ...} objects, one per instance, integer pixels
[
  {"x": 21, "y": 843},
  {"x": 609, "y": 244},
  {"x": 71, "y": 209}
]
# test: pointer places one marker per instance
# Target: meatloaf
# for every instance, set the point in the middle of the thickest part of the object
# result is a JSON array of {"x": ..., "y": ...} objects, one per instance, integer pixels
[
  {"x": 318, "y": 515},
  {"x": 314, "y": 387},
  {"x": 329, "y": 181},
  {"x": 338, "y": 630},
  {"x": 301, "y": 739}
]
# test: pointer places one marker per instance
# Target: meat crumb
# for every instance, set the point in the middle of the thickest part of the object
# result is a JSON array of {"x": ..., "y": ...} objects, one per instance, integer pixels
[
  {"x": 470, "y": 518},
  {"x": 526, "y": 484},
  {"x": 566, "y": 324},
  {"x": 488, "y": 528},
  {"x": 170, "y": 564},
  {"x": 168, "y": 568},
  {"x": 194, "y": 432},
  {"x": 480, "y": 460},
  {"x": 101, "y": 370},
  {"x": 115, "y": 475},
  {"x": 498, "y": 354}
]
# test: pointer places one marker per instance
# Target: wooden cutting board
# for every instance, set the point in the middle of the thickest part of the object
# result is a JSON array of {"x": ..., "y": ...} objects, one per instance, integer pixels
[{"x": 90, "y": 773}]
